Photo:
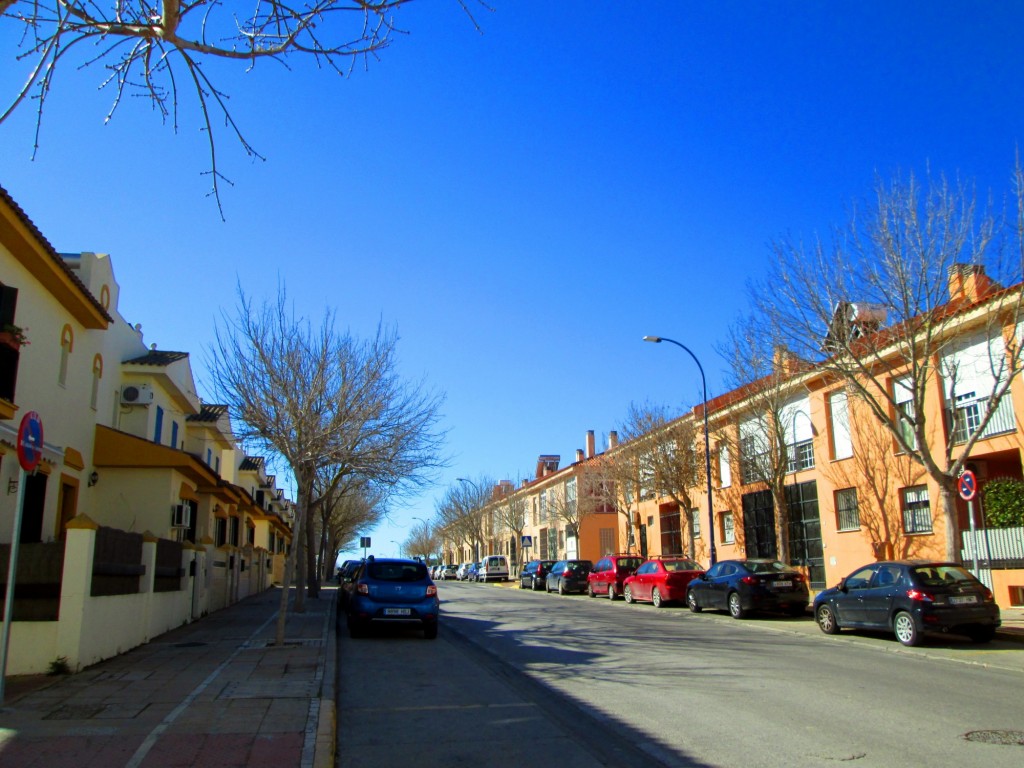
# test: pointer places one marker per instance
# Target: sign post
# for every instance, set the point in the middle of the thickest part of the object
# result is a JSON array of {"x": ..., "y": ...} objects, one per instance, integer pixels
[
  {"x": 30, "y": 451},
  {"x": 967, "y": 487}
]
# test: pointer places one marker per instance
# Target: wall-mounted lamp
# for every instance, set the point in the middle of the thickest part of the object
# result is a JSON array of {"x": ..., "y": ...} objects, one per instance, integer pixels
[{"x": 93, "y": 478}]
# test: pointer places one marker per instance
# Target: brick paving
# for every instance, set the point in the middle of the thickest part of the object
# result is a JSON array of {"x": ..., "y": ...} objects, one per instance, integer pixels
[{"x": 216, "y": 693}]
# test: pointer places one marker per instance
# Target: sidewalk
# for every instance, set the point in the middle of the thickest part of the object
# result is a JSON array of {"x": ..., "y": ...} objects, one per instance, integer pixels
[{"x": 215, "y": 693}]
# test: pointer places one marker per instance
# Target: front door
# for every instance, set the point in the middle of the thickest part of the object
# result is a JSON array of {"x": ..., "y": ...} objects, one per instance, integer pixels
[
  {"x": 759, "y": 525},
  {"x": 805, "y": 546}
]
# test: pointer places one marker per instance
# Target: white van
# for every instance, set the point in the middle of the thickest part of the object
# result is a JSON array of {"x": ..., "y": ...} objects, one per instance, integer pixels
[{"x": 493, "y": 568}]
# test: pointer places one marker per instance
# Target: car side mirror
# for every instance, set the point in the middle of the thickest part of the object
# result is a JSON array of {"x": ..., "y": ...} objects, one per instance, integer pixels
[{"x": 842, "y": 586}]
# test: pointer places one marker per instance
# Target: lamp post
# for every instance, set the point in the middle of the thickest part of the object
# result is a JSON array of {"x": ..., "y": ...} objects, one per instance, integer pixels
[
  {"x": 399, "y": 547},
  {"x": 707, "y": 442}
]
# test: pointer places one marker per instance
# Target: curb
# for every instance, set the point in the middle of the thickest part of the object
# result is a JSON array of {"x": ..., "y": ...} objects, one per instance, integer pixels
[{"x": 324, "y": 747}]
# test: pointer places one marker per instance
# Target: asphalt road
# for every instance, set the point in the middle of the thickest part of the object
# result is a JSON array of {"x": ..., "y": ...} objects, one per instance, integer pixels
[{"x": 633, "y": 684}]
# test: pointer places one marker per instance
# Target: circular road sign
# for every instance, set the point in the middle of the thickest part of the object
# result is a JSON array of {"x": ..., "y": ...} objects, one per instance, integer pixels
[
  {"x": 967, "y": 485},
  {"x": 30, "y": 441}
]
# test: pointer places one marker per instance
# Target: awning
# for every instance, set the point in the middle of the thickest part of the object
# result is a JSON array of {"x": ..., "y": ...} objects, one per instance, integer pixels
[{"x": 187, "y": 494}]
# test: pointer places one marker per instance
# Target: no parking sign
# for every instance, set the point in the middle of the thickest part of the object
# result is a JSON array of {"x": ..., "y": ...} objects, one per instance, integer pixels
[
  {"x": 967, "y": 486},
  {"x": 30, "y": 441}
]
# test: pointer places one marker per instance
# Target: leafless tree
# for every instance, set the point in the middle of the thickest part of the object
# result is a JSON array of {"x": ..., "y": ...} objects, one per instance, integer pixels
[
  {"x": 158, "y": 49},
  {"x": 461, "y": 513},
  {"x": 762, "y": 369},
  {"x": 509, "y": 512},
  {"x": 320, "y": 398},
  {"x": 342, "y": 511},
  {"x": 423, "y": 539},
  {"x": 613, "y": 482},
  {"x": 664, "y": 447},
  {"x": 904, "y": 304}
]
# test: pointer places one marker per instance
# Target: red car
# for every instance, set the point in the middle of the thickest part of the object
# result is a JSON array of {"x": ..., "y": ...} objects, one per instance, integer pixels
[
  {"x": 661, "y": 580},
  {"x": 610, "y": 573}
]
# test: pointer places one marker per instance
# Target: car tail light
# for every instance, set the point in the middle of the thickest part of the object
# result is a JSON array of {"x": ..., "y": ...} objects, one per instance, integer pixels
[
  {"x": 431, "y": 590},
  {"x": 750, "y": 580},
  {"x": 362, "y": 589},
  {"x": 798, "y": 577},
  {"x": 920, "y": 596}
]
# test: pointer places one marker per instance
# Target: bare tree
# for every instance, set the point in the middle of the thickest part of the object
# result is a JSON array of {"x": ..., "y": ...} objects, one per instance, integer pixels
[
  {"x": 461, "y": 513},
  {"x": 908, "y": 305},
  {"x": 342, "y": 512},
  {"x": 665, "y": 448},
  {"x": 509, "y": 512},
  {"x": 423, "y": 540},
  {"x": 614, "y": 482},
  {"x": 158, "y": 49},
  {"x": 319, "y": 398}
]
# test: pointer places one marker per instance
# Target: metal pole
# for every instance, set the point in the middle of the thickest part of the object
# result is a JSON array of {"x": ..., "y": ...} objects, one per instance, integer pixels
[
  {"x": 12, "y": 570},
  {"x": 707, "y": 443}
]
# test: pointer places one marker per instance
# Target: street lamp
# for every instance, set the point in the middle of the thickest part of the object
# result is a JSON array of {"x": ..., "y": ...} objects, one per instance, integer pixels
[
  {"x": 707, "y": 441},
  {"x": 399, "y": 547}
]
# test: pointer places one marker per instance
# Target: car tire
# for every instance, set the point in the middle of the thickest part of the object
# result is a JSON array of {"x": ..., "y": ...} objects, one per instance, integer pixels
[
  {"x": 534, "y": 585},
  {"x": 735, "y": 606},
  {"x": 982, "y": 634},
  {"x": 905, "y": 629},
  {"x": 627, "y": 595},
  {"x": 826, "y": 618},
  {"x": 611, "y": 592},
  {"x": 430, "y": 631},
  {"x": 590, "y": 591},
  {"x": 656, "y": 598},
  {"x": 561, "y": 587},
  {"x": 692, "y": 604},
  {"x": 521, "y": 585}
]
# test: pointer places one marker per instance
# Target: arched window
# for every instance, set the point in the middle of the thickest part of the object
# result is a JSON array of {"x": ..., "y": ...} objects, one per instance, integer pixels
[
  {"x": 67, "y": 346},
  {"x": 97, "y": 374}
]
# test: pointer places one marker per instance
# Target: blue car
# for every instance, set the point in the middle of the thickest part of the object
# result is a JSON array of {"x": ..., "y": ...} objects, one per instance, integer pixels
[{"x": 392, "y": 592}]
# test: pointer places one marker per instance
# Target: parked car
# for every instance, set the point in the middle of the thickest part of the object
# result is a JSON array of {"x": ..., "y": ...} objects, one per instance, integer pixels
[
  {"x": 568, "y": 576},
  {"x": 392, "y": 591},
  {"x": 448, "y": 572},
  {"x": 609, "y": 573},
  {"x": 493, "y": 568},
  {"x": 910, "y": 598},
  {"x": 535, "y": 574},
  {"x": 661, "y": 580},
  {"x": 742, "y": 586},
  {"x": 345, "y": 574},
  {"x": 472, "y": 572},
  {"x": 460, "y": 573}
]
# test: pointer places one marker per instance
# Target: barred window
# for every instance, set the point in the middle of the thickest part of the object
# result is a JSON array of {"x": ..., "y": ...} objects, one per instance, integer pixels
[
  {"x": 728, "y": 531},
  {"x": 847, "y": 511},
  {"x": 695, "y": 522},
  {"x": 917, "y": 512}
]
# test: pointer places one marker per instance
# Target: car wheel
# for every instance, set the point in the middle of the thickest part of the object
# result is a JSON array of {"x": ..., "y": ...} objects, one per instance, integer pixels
[
  {"x": 905, "y": 628},
  {"x": 521, "y": 585},
  {"x": 656, "y": 598},
  {"x": 826, "y": 619},
  {"x": 430, "y": 631},
  {"x": 590, "y": 591},
  {"x": 561, "y": 587},
  {"x": 534, "y": 585},
  {"x": 691, "y": 601},
  {"x": 611, "y": 591},
  {"x": 546, "y": 587},
  {"x": 982, "y": 634},
  {"x": 627, "y": 594},
  {"x": 736, "y": 606}
]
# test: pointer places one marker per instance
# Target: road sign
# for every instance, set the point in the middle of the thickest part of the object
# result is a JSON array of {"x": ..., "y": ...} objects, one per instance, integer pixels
[
  {"x": 967, "y": 486},
  {"x": 527, "y": 541},
  {"x": 364, "y": 541},
  {"x": 30, "y": 441}
]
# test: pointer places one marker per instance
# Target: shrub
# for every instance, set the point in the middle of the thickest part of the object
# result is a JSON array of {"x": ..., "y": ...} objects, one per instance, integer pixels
[{"x": 1004, "y": 502}]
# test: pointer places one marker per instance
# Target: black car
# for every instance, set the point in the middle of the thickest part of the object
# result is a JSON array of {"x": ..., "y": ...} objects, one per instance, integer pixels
[
  {"x": 534, "y": 574},
  {"x": 742, "y": 586},
  {"x": 910, "y": 598},
  {"x": 568, "y": 576}
]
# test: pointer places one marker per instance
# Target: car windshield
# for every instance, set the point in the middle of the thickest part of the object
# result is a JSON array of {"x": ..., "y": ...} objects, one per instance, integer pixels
[
  {"x": 680, "y": 565},
  {"x": 940, "y": 575},
  {"x": 398, "y": 571},
  {"x": 766, "y": 566},
  {"x": 629, "y": 563}
]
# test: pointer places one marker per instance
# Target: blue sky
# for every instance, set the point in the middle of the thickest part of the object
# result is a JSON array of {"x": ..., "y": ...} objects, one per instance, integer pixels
[{"x": 525, "y": 204}]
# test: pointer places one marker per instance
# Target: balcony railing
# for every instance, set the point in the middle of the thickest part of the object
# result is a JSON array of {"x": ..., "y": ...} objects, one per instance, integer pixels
[{"x": 968, "y": 414}]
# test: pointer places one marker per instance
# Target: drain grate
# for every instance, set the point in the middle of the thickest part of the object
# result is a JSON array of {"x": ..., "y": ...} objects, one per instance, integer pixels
[{"x": 997, "y": 737}]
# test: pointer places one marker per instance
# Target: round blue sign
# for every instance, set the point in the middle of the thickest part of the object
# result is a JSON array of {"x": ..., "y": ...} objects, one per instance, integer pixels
[
  {"x": 30, "y": 441},
  {"x": 967, "y": 485}
]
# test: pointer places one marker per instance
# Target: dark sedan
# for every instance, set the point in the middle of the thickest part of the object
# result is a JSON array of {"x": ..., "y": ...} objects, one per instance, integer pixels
[
  {"x": 534, "y": 574},
  {"x": 910, "y": 598},
  {"x": 743, "y": 586},
  {"x": 568, "y": 576}
]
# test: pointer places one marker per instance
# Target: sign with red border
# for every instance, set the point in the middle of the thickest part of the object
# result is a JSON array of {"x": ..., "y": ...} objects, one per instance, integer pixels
[
  {"x": 30, "y": 441},
  {"x": 967, "y": 486}
]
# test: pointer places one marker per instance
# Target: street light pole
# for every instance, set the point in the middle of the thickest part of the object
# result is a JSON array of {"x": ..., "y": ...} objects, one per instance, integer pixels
[{"x": 707, "y": 442}]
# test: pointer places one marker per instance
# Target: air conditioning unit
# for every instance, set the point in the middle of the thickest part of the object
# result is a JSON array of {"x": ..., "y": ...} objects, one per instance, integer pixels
[
  {"x": 181, "y": 516},
  {"x": 136, "y": 394}
]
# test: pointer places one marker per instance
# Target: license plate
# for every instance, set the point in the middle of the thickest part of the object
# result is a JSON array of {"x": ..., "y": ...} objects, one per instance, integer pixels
[
  {"x": 963, "y": 600},
  {"x": 397, "y": 611},
  {"x": 783, "y": 584}
]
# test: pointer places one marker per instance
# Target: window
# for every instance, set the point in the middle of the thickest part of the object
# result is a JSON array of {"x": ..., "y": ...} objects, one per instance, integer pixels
[
  {"x": 753, "y": 451},
  {"x": 847, "y": 512},
  {"x": 67, "y": 346},
  {"x": 221, "y": 535},
  {"x": 174, "y": 434},
  {"x": 234, "y": 531},
  {"x": 906, "y": 414},
  {"x": 727, "y": 528},
  {"x": 97, "y": 374},
  {"x": 839, "y": 413},
  {"x": 917, "y": 513},
  {"x": 209, "y": 457},
  {"x": 795, "y": 419},
  {"x": 570, "y": 496},
  {"x": 972, "y": 371},
  {"x": 543, "y": 507},
  {"x": 724, "y": 470},
  {"x": 695, "y": 522},
  {"x": 159, "y": 428},
  {"x": 607, "y": 539}
]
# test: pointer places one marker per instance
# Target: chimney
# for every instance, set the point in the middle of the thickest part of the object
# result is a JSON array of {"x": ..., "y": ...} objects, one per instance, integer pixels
[
  {"x": 579, "y": 455},
  {"x": 968, "y": 282},
  {"x": 613, "y": 440},
  {"x": 590, "y": 444},
  {"x": 546, "y": 465}
]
